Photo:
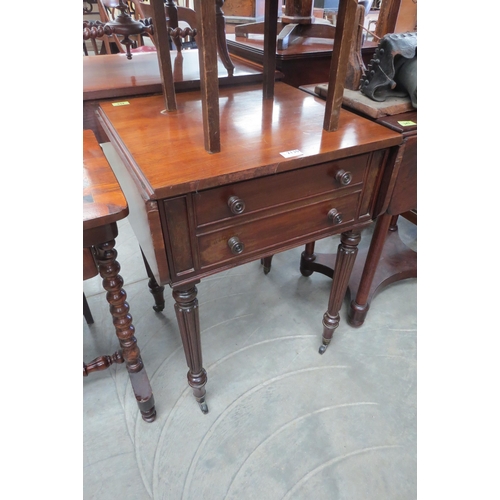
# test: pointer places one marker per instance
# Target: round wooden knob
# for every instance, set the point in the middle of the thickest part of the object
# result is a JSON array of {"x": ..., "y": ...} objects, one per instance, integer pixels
[
  {"x": 236, "y": 205},
  {"x": 343, "y": 177},
  {"x": 335, "y": 216},
  {"x": 235, "y": 245}
]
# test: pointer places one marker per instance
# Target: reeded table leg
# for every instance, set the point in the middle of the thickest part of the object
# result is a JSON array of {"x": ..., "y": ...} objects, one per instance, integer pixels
[
  {"x": 346, "y": 255},
  {"x": 186, "y": 309},
  {"x": 122, "y": 320}
]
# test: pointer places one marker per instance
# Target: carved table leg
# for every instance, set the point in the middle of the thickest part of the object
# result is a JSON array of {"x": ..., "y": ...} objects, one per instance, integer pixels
[
  {"x": 155, "y": 289},
  {"x": 346, "y": 255},
  {"x": 116, "y": 296},
  {"x": 186, "y": 309}
]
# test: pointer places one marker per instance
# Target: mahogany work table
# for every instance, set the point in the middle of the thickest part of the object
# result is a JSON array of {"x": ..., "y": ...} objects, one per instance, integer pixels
[
  {"x": 103, "y": 205},
  {"x": 279, "y": 181}
]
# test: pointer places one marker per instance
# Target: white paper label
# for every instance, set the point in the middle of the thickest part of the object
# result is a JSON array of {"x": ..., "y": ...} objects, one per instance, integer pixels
[{"x": 292, "y": 153}]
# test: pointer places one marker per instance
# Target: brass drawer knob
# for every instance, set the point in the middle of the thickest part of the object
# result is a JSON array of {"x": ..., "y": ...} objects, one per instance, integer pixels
[
  {"x": 235, "y": 245},
  {"x": 335, "y": 216},
  {"x": 343, "y": 177},
  {"x": 236, "y": 205}
]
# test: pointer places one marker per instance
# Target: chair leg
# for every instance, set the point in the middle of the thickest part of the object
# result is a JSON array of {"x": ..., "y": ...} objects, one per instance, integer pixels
[{"x": 221, "y": 38}]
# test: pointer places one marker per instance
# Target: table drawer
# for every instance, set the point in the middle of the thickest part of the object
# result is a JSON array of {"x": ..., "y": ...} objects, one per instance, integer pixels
[
  {"x": 307, "y": 221},
  {"x": 247, "y": 197}
]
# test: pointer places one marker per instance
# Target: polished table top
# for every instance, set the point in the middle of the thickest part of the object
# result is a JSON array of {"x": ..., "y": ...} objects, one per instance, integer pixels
[
  {"x": 166, "y": 151},
  {"x": 110, "y": 76},
  {"x": 103, "y": 200}
]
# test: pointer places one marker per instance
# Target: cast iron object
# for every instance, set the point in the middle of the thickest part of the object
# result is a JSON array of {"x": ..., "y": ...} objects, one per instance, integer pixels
[{"x": 392, "y": 55}]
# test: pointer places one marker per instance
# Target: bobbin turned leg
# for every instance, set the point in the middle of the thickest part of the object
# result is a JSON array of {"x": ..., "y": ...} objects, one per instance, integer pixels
[
  {"x": 155, "y": 289},
  {"x": 186, "y": 310},
  {"x": 116, "y": 296},
  {"x": 346, "y": 255}
]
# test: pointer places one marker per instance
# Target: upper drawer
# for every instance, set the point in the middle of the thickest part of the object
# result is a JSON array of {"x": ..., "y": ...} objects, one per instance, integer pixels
[{"x": 215, "y": 205}]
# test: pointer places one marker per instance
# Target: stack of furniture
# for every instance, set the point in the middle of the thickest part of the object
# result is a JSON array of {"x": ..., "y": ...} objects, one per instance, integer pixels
[{"x": 223, "y": 175}]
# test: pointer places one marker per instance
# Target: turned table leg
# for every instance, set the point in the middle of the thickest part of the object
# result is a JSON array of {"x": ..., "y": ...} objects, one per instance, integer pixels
[
  {"x": 360, "y": 305},
  {"x": 155, "y": 289},
  {"x": 116, "y": 296},
  {"x": 388, "y": 260},
  {"x": 186, "y": 310},
  {"x": 346, "y": 255}
]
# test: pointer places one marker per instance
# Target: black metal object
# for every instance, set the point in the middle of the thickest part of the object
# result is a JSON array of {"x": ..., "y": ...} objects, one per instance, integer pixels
[{"x": 393, "y": 69}]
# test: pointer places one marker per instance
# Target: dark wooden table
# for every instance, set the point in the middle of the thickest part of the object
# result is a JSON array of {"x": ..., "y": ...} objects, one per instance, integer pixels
[
  {"x": 278, "y": 182},
  {"x": 388, "y": 259},
  {"x": 306, "y": 61},
  {"x": 103, "y": 205},
  {"x": 113, "y": 76}
]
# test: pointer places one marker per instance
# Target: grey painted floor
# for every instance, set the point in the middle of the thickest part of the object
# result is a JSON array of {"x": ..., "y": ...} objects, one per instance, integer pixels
[{"x": 284, "y": 421}]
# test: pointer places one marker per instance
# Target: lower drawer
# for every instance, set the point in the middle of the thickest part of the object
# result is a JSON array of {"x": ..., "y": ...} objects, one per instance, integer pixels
[{"x": 310, "y": 221}]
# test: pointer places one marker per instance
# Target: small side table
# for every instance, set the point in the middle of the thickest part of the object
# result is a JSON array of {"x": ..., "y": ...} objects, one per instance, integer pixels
[
  {"x": 388, "y": 259},
  {"x": 103, "y": 205}
]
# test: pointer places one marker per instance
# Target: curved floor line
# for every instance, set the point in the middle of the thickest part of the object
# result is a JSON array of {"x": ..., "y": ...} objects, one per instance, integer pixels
[
  {"x": 335, "y": 460},
  {"x": 184, "y": 395},
  {"x": 186, "y": 391},
  {"x": 284, "y": 427},
  {"x": 202, "y": 303},
  {"x": 162, "y": 438},
  {"x": 138, "y": 420},
  {"x": 225, "y": 321},
  {"x": 402, "y": 330},
  {"x": 166, "y": 360},
  {"x": 267, "y": 341},
  {"x": 220, "y": 418}
]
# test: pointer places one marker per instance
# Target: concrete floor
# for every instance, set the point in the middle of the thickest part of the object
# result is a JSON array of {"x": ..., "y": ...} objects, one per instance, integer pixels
[{"x": 284, "y": 421}]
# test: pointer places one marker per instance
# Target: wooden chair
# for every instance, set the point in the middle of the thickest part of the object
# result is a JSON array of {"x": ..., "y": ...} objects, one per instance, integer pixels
[
  {"x": 175, "y": 14},
  {"x": 175, "y": 17}
]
